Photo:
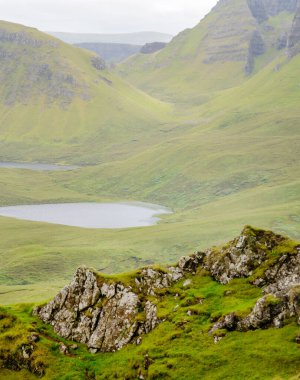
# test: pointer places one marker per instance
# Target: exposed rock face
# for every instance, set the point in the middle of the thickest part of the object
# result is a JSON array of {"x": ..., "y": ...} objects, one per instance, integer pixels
[
  {"x": 228, "y": 41},
  {"x": 241, "y": 257},
  {"x": 100, "y": 314},
  {"x": 98, "y": 63},
  {"x": 256, "y": 48},
  {"x": 293, "y": 43},
  {"x": 24, "y": 55},
  {"x": 280, "y": 280},
  {"x": 262, "y": 9},
  {"x": 22, "y": 38},
  {"x": 152, "y": 47},
  {"x": 107, "y": 315},
  {"x": 258, "y": 10}
]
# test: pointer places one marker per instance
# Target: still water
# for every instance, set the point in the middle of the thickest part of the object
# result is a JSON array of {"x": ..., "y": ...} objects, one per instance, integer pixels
[{"x": 90, "y": 215}]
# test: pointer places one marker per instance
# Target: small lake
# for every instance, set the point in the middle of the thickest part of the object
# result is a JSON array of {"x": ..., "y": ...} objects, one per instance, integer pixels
[
  {"x": 90, "y": 215},
  {"x": 36, "y": 166}
]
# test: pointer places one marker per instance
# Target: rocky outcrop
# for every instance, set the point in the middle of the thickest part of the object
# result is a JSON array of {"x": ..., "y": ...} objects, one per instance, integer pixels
[
  {"x": 277, "y": 275},
  {"x": 100, "y": 314},
  {"x": 242, "y": 256},
  {"x": 152, "y": 47},
  {"x": 263, "y": 9},
  {"x": 258, "y": 10},
  {"x": 256, "y": 48},
  {"x": 24, "y": 54},
  {"x": 106, "y": 314},
  {"x": 98, "y": 63},
  {"x": 23, "y": 38}
]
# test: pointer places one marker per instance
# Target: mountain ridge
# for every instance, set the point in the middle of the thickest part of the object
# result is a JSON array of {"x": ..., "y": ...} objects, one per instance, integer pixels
[{"x": 232, "y": 38}]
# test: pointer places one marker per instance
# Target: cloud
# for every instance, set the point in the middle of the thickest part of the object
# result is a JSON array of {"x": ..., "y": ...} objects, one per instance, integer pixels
[{"x": 106, "y": 16}]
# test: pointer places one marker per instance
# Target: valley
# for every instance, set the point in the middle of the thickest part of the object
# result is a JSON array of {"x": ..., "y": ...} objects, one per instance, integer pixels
[{"x": 206, "y": 127}]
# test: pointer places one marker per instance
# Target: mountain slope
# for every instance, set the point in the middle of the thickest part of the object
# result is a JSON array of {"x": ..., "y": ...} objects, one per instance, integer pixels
[
  {"x": 54, "y": 95},
  {"x": 219, "y": 53},
  {"x": 228, "y": 161}
]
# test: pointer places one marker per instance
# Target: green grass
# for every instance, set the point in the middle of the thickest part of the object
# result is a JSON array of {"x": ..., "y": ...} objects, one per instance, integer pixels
[
  {"x": 221, "y": 162},
  {"x": 180, "y": 347}
]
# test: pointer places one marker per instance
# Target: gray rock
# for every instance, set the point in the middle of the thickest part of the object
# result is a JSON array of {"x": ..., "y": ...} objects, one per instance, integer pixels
[
  {"x": 63, "y": 349},
  {"x": 186, "y": 283},
  {"x": 293, "y": 42}
]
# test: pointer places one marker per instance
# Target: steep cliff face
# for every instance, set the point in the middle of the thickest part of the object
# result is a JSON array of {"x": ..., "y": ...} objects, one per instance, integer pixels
[
  {"x": 107, "y": 314},
  {"x": 294, "y": 37},
  {"x": 263, "y": 9}
]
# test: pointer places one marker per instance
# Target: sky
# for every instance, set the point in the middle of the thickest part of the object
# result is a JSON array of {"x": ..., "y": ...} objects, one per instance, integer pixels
[{"x": 106, "y": 16}]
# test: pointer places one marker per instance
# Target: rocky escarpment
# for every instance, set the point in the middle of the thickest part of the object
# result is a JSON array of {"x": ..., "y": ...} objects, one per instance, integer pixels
[
  {"x": 263, "y": 9},
  {"x": 256, "y": 48},
  {"x": 32, "y": 66},
  {"x": 107, "y": 314},
  {"x": 232, "y": 41}
]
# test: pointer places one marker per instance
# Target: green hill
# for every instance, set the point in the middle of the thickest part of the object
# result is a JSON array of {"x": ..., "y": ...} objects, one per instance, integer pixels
[
  {"x": 56, "y": 100},
  {"x": 226, "y": 157},
  {"x": 235, "y": 39}
]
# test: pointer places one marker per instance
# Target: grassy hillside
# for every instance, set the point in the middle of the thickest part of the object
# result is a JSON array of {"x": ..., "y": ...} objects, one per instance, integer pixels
[
  {"x": 239, "y": 165},
  {"x": 216, "y": 54},
  {"x": 56, "y": 100},
  {"x": 227, "y": 160}
]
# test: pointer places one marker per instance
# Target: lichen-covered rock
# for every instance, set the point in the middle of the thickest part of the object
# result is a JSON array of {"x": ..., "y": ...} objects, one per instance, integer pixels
[
  {"x": 106, "y": 314},
  {"x": 241, "y": 256},
  {"x": 151, "y": 280},
  {"x": 279, "y": 279},
  {"x": 100, "y": 314}
]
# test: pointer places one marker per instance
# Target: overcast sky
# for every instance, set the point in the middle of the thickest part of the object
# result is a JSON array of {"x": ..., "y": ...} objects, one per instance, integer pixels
[{"x": 106, "y": 16}]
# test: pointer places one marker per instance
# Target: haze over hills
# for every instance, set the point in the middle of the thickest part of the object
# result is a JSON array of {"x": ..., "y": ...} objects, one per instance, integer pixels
[
  {"x": 136, "y": 38},
  {"x": 114, "y": 53},
  {"x": 111, "y": 52}
]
